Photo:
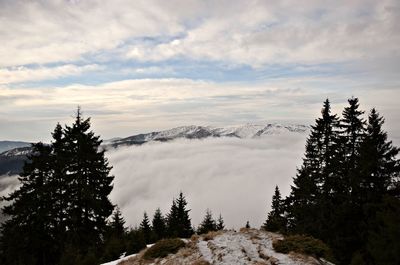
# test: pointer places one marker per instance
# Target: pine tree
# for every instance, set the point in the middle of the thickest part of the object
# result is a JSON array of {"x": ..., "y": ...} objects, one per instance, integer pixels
[
  {"x": 379, "y": 165},
  {"x": 208, "y": 224},
  {"x": 379, "y": 171},
  {"x": 26, "y": 237},
  {"x": 89, "y": 185},
  {"x": 62, "y": 205},
  {"x": 159, "y": 226},
  {"x": 247, "y": 225},
  {"x": 352, "y": 137},
  {"x": 276, "y": 220},
  {"x": 115, "y": 242},
  {"x": 145, "y": 228},
  {"x": 118, "y": 223},
  {"x": 317, "y": 178},
  {"x": 220, "y": 223},
  {"x": 179, "y": 224}
]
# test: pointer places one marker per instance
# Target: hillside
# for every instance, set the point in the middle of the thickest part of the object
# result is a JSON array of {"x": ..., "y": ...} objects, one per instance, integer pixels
[
  {"x": 248, "y": 246},
  {"x": 7, "y": 145}
]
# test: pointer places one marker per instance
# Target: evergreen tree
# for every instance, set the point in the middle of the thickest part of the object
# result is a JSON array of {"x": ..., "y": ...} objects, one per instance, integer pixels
[
  {"x": 276, "y": 220},
  {"x": 117, "y": 224},
  {"x": 89, "y": 185},
  {"x": 317, "y": 178},
  {"x": 247, "y": 225},
  {"x": 115, "y": 242},
  {"x": 379, "y": 165},
  {"x": 159, "y": 226},
  {"x": 220, "y": 223},
  {"x": 135, "y": 241},
  {"x": 145, "y": 228},
  {"x": 379, "y": 169},
  {"x": 27, "y": 235},
  {"x": 62, "y": 205},
  {"x": 179, "y": 224},
  {"x": 208, "y": 224},
  {"x": 352, "y": 137}
]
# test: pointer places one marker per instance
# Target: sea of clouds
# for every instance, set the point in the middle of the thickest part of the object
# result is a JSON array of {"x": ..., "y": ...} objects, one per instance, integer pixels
[{"x": 232, "y": 177}]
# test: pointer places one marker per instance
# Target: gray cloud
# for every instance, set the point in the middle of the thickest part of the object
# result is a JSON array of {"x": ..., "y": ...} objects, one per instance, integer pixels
[{"x": 234, "y": 177}]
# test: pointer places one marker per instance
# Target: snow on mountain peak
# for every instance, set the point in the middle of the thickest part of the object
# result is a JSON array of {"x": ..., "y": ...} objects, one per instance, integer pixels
[{"x": 200, "y": 132}]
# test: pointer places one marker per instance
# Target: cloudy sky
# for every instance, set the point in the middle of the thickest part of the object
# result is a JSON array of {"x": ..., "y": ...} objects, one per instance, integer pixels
[{"x": 136, "y": 66}]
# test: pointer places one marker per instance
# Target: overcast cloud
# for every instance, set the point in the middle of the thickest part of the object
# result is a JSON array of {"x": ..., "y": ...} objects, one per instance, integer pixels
[
  {"x": 234, "y": 177},
  {"x": 154, "y": 64}
]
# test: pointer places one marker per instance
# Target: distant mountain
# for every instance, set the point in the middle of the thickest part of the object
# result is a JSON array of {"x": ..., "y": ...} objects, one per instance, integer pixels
[
  {"x": 200, "y": 132},
  {"x": 8, "y": 145},
  {"x": 12, "y": 160}
]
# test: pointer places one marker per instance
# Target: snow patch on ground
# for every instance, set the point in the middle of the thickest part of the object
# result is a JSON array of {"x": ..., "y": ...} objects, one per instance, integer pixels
[{"x": 248, "y": 247}]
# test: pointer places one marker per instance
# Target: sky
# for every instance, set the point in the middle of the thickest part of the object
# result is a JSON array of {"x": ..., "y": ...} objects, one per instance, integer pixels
[{"x": 138, "y": 66}]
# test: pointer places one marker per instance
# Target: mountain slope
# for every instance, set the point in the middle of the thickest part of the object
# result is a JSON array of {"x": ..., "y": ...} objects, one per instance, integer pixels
[
  {"x": 201, "y": 132},
  {"x": 8, "y": 145}
]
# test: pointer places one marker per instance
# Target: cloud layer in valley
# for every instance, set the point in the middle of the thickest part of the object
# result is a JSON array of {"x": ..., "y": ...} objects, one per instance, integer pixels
[{"x": 234, "y": 177}]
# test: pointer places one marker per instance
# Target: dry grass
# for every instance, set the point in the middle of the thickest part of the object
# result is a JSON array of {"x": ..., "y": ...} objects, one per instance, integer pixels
[{"x": 211, "y": 235}]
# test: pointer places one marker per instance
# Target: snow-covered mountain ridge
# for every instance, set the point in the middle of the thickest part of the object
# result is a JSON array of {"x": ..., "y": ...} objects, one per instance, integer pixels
[
  {"x": 12, "y": 160},
  {"x": 200, "y": 132}
]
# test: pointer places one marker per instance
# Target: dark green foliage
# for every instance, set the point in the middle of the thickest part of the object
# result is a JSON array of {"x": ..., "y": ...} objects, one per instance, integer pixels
[
  {"x": 163, "y": 248},
  {"x": 178, "y": 221},
  {"x": 208, "y": 224},
  {"x": 115, "y": 242},
  {"x": 159, "y": 226},
  {"x": 63, "y": 200},
  {"x": 276, "y": 220},
  {"x": 135, "y": 241},
  {"x": 247, "y": 225},
  {"x": 145, "y": 228},
  {"x": 303, "y": 244},
  {"x": 220, "y": 223},
  {"x": 342, "y": 191},
  {"x": 383, "y": 244},
  {"x": 379, "y": 165}
]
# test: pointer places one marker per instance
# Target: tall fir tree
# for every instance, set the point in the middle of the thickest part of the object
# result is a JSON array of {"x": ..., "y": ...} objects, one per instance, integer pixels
[
  {"x": 380, "y": 171},
  {"x": 27, "y": 238},
  {"x": 316, "y": 178},
  {"x": 159, "y": 226},
  {"x": 61, "y": 208},
  {"x": 352, "y": 135},
  {"x": 276, "y": 220},
  {"x": 89, "y": 185},
  {"x": 346, "y": 213},
  {"x": 379, "y": 165}
]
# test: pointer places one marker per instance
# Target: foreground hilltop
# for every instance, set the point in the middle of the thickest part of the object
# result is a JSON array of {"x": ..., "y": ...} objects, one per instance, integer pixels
[{"x": 248, "y": 246}]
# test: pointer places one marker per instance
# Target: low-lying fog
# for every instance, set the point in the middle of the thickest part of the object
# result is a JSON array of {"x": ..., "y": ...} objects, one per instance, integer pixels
[{"x": 234, "y": 177}]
